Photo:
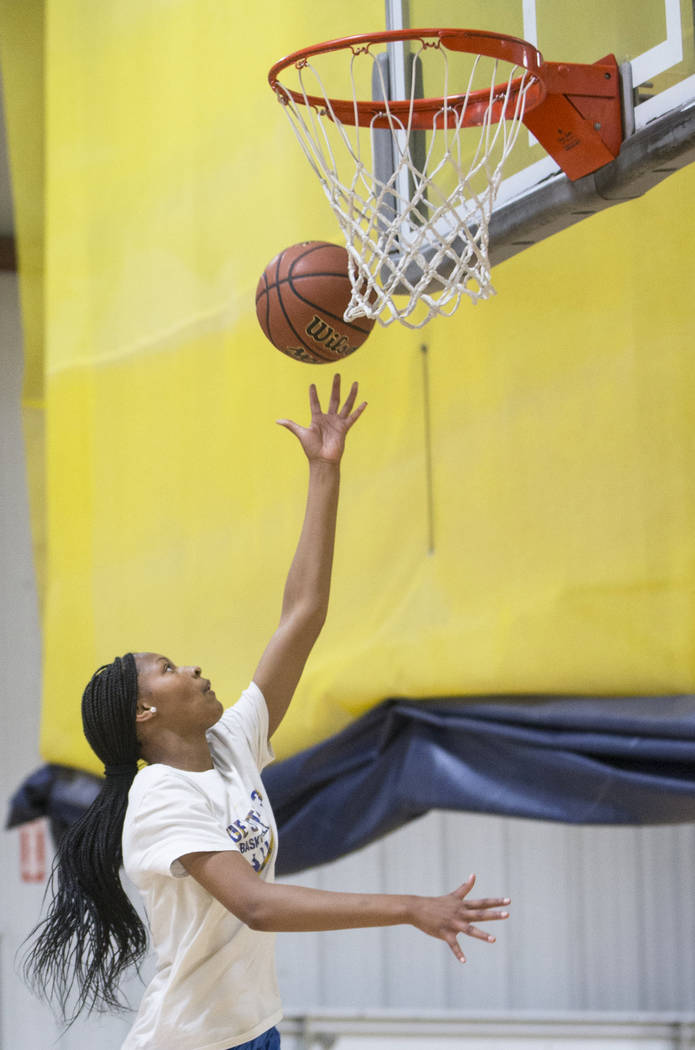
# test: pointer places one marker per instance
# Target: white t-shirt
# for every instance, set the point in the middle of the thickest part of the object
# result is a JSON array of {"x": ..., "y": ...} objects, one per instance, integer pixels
[{"x": 215, "y": 984}]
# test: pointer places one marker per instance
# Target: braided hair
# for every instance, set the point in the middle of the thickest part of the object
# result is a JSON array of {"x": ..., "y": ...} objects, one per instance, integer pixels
[{"x": 92, "y": 933}]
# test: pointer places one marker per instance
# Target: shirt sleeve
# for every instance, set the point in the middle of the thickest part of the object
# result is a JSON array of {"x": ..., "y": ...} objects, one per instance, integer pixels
[
  {"x": 172, "y": 819},
  {"x": 248, "y": 717}
]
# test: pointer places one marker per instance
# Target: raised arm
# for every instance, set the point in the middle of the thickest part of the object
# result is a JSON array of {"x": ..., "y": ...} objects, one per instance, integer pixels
[{"x": 305, "y": 599}]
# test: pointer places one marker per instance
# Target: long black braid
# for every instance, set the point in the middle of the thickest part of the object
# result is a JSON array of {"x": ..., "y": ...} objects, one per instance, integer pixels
[{"x": 92, "y": 933}]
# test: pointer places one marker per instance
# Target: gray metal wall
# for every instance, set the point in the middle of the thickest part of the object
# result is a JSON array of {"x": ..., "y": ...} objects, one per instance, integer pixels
[{"x": 603, "y": 919}]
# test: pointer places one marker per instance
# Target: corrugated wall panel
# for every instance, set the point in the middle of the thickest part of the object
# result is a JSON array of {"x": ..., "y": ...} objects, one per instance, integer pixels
[
  {"x": 607, "y": 918},
  {"x": 603, "y": 919},
  {"x": 666, "y": 902},
  {"x": 353, "y": 961},
  {"x": 539, "y": 930},
  {"x": 684, "y": 863},
  {"x": 414, "y": 966},
  {"x": 472, "y": 843},
  {"x": 300, "y": 955}
]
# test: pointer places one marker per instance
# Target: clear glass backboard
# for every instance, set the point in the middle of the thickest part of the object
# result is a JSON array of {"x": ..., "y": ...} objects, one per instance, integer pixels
[
  {"x": 654, "y": 36},
  {"x": 653, "y": 42}
]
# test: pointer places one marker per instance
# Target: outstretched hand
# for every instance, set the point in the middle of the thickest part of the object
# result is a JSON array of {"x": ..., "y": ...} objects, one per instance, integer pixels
[
  {"x": 446, "y": 917},
  {"x": 324, "y": 438}
]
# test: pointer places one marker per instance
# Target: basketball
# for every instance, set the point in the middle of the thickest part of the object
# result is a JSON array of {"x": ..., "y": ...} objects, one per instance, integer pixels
[{"x": 300, "y": 301}]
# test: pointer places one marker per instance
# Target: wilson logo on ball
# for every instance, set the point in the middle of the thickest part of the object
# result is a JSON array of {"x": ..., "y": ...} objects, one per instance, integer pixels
[
  {"x": 321, "y": 332},
  {"x": 301, "y": 298}
]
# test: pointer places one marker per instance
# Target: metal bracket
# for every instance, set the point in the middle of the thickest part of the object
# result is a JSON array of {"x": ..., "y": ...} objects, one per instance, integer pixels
[
  {"x": 646, "y": 158},
  {"x": 579, "y": 123}
]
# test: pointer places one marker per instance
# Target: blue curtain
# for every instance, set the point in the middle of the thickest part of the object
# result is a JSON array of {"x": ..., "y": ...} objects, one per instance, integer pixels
[{"x": 576, "y": 760}]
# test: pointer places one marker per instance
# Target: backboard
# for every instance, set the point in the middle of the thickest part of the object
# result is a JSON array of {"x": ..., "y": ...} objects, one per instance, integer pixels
[{"x": 654, "y": 45}]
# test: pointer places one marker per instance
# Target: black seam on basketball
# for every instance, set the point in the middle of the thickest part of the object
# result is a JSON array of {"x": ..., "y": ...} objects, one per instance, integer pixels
[
  {"x": 313, "y": 273},
  {"x": 276, "y": 286},
  {"x": 314, "y": 246},
  {"x": 267, "y": 305},
  {"x": 265, "y": 281},
  {"x": 320, "y": 309},
  {"x": 308, "y": 276},
  {"x": 291, "y": 277},
  {"x": 264, "y": 292},
  {"x": 307, "y": 346}
]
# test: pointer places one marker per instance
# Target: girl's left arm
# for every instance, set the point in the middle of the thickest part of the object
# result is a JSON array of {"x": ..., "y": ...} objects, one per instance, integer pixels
[{"x": 305, "y": 599}]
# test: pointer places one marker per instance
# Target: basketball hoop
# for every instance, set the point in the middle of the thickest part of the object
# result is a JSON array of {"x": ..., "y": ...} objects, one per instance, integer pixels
[{"x": 413, "y": 180}]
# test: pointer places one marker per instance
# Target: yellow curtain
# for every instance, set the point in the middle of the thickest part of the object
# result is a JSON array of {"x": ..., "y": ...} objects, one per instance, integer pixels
[
  {"x": 560, "y": 412},
  {"x": 22, "y": 64}
]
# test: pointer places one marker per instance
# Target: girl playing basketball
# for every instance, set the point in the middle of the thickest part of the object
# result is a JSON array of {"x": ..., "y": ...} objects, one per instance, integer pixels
[{"x": 194, "y": 830}]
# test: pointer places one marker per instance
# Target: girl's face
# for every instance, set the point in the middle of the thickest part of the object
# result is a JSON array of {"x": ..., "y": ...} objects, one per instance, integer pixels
[{"x": 184, "y": 700}]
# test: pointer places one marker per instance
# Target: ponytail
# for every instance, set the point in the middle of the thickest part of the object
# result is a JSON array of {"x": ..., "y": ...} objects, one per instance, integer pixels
[{"x": 92, "y": 933}]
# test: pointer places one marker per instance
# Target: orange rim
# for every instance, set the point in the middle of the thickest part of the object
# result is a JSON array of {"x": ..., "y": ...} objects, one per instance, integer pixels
[{"x": 425, "y": 111}]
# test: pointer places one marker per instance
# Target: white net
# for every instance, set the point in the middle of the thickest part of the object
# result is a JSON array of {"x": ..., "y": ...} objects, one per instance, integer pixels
[{"x": 414, "y": 204}]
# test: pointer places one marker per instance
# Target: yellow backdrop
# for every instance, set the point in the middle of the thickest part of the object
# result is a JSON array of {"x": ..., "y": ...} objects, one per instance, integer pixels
[{"x": 561, "y": 411}]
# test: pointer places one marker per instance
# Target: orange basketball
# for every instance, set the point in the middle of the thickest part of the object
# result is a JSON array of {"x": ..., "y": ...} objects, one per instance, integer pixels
[{"x": 300, "y": 301}]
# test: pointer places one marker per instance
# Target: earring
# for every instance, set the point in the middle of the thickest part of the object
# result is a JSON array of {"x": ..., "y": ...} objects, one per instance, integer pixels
[{"x": 152, "y": 709}]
